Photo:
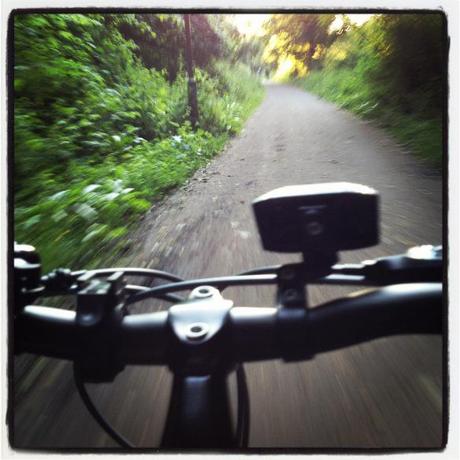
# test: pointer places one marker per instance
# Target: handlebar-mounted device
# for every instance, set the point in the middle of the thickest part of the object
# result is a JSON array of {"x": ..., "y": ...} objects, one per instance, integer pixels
[
  {"x": 320, "y": 218},
  {"x": 317, "y": 220}
]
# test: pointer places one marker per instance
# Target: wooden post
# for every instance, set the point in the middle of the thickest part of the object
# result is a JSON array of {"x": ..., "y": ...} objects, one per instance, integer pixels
[{"x": 192, "y": 95}]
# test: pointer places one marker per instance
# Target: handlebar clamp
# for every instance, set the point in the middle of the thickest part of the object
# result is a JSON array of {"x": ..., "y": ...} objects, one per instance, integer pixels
[
  {"x": 100, "y": 310},
  {"x": 292, "y": 316},
  {"x": 291, "y": 286}
]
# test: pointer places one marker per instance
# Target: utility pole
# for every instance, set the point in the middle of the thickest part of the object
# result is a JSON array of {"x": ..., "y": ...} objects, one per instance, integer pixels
[{"x": 192, "y": 99}]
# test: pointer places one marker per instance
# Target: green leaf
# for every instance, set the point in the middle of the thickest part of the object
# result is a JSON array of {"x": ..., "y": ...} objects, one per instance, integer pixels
[
  {"x": 91, "y": 188},
  {"x": 59, "y": 195},
  {"x": 94, "y": 231},
  {"x": 111, "y": 196},
  {"x": 31, "y": 221},
  {"x": 59, "y": 215},
  {"x": 86, "y": 211},
  {"x": 117, "y": 232}
]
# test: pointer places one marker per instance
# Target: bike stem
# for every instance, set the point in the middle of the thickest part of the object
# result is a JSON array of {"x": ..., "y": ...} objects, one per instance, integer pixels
[{"x": 199, "y": 413}]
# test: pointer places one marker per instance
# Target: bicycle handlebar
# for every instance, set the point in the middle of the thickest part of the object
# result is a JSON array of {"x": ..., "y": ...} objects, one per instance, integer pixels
[{"x": 251, "y": 333}]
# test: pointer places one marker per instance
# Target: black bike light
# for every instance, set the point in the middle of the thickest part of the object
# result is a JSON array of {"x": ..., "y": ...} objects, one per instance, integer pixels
[{"x": 318, "y": 217}]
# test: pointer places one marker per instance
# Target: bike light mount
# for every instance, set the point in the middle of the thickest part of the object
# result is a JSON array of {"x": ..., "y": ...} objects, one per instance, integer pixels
[
  {"x": 318, "y": 221},
  {"x": 291, "y": 286},
  {"x": 292, "y": 314}
]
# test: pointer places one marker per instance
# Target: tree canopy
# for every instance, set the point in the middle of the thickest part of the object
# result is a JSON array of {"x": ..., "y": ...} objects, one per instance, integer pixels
[{"x": 299, "y": 38}]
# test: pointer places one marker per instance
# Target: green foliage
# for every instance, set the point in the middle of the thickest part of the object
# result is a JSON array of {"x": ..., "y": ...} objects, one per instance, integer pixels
[
  {"x": 101, "y": 130},
  {"x": 160, "y": 40},
  {"x": 68, "y": 220},
  {"x": 412, "y": 63},
  {"x": 237, "y": 48},
  {"x": 226, "y": 98},
  {"x": 207, "y": 44},
  {"x": 301, "y": 38},
  {"x": 390, "y": 70}
]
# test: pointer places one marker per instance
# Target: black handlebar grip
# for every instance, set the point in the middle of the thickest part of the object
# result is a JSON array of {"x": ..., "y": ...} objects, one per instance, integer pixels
[
  {"x": 55, "y": 333},
  {"x": 399, "y": 309}
]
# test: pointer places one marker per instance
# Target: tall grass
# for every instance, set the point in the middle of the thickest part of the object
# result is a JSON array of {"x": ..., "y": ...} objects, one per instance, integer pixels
[
  {"x": 352, "y": 92},
  {"x": 390, "y": 71}
]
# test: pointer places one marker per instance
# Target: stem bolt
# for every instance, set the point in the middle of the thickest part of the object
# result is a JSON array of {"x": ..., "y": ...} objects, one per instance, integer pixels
[{"x": 197, "y": 331}]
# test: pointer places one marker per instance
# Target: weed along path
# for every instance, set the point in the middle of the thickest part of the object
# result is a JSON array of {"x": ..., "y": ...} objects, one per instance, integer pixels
[{"x": 387, "y": 393}]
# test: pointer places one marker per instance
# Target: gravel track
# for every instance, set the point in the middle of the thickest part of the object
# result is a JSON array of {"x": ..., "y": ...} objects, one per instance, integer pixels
[{"x": 387, "y": 393}]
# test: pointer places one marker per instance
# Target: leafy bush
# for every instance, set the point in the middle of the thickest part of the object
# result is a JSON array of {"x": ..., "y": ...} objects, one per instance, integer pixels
[
  {"x": 99, "y": 136},
  {"x": 97, "y": 206},
  {"x": 226, "y": 97}
]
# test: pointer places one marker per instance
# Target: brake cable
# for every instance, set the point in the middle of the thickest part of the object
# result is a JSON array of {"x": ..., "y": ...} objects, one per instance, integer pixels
[
  {"x": 243, "y": 412},
  {"x": 103, "y": 423},
  {"x": 150, "y": 272},
  {"x": 226, "y": 281},
  {"x": 242, "y": 424}
]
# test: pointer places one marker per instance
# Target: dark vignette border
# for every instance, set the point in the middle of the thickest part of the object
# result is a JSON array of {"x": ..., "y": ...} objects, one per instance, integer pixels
[{"x": 10, "y": 226}]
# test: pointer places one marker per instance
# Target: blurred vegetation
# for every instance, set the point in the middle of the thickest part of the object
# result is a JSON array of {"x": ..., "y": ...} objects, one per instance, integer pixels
[
  {"x": 237, "y": 48},
  {"x": 390, "y": 70},
  {"x": 101, "y": 123},
  {"x": 298, "y": 40}
]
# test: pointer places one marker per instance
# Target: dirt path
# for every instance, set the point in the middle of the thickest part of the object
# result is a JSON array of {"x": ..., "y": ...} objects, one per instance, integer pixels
[{"x": 382, "y": 394}]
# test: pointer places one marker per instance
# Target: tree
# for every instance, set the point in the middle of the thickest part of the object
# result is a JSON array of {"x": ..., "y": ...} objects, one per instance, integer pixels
[
  {"x": 302, "y": 38},
  {"x": 160, "y": 41},
  {"x": 413, "y": 58}
]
